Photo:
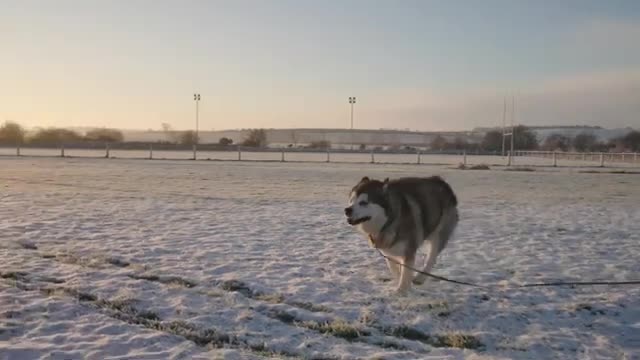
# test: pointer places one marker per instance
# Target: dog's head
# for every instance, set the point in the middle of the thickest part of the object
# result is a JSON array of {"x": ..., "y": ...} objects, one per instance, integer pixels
[{"x": 368, "y": 205}]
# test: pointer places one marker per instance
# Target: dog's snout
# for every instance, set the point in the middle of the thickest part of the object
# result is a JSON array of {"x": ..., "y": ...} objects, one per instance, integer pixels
[{"x": 348, "y": 211}]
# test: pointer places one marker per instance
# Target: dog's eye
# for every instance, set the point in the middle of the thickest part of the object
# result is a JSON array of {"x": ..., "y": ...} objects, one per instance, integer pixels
[{"x": 363, "y": 203}]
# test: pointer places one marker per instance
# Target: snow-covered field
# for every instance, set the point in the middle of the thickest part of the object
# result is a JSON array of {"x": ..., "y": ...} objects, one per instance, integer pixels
[{"x": 135, "y": 259}]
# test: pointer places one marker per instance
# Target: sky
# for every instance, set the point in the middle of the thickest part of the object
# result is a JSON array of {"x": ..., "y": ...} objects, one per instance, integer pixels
[{"x": 412, "y": 64}]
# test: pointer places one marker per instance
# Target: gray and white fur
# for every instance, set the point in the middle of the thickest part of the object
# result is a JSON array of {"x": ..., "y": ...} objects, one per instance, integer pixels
[{"x": 401, "y": 215}]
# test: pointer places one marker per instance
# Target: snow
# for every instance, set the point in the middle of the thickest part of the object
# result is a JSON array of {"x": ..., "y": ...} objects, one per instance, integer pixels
[{"x": 180, "y": 259}]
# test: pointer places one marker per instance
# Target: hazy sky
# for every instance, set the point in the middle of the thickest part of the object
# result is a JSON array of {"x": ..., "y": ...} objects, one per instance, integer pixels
[{"x": 424, "y": 65}]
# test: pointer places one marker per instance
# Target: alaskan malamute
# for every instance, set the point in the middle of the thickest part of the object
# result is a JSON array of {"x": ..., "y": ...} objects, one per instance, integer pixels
[{"x": 399, "y": 216}]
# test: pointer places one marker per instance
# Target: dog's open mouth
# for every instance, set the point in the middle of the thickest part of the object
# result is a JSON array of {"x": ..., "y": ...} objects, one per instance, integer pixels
[{"x": 358, "y": 221}]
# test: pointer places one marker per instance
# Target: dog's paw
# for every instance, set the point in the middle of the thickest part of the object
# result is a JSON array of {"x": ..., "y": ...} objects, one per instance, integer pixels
[{"x": 401, "y": 291}]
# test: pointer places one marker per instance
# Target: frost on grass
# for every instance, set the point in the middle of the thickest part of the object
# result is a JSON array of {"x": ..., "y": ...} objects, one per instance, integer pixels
[
  {"x": 168, "y": 280},
  {"x": 307, "y": 284}
]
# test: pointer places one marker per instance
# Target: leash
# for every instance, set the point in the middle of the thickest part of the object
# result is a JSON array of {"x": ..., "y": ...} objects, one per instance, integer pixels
[{"x": 549, "y": 284}]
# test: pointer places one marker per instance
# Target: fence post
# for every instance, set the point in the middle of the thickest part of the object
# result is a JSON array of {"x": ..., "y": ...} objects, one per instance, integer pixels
[
  {"x": 195, "y": 149},
  {"x": 282, "y": 158},
  {"x": 239, "y": 154},
  {"x": 373, "y": 159},
  {"x": 464, "y": 157},
  {"x": 150, "y": 151},
  {"x": 62, "y": 150},
  {"x": 106, "y": 154},
  {"x": 555, "y": 159},
  {"x": 328, "y": 154},
  {"x": 509, "y": 158},
  {"x": 419, "y": 155},
  {"x": 18, "y": 150},
  {"x": 601, "y": 159}
]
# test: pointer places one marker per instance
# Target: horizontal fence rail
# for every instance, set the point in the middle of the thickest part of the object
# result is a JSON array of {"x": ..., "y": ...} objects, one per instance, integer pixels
[{"x": 374, "y": 156}]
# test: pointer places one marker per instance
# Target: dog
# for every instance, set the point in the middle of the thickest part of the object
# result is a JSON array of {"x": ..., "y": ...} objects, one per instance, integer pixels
[{"x": 400, "y": 216}]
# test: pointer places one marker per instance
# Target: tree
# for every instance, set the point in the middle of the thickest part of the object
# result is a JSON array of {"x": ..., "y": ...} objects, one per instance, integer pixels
[
  {"x": 321, "y": 144},
  {"x": 631, "y": 141},
  {"x": 188, "y": 137},
  {"x": 556, "y": 142},
  {"x": 256, "y": 138},
  {"x": 585, "y": 142},
  {"x": 524, "y": 138},
  {"x": 459, "y": 144},
  {"x": 55, "y": 136},
  {"x": 11, "y": 133},
  {"x": 105, "y": 135},
  {"x": 225, "y": 141},
  {"x": 171, "y": 135},
  {"x": 438, "y": 143},
  {"x": 492, "y": 141}
]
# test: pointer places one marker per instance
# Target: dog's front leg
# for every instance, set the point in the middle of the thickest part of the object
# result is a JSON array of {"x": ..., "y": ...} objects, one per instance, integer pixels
[
  {"x": 394, "y": 268},
  {"x": 406, "y": 275}
]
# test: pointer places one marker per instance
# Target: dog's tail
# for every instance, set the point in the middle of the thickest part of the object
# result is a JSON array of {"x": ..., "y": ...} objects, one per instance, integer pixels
[
  {"x": 447, "y": 190},
  {"x": 445, "y": 228}
]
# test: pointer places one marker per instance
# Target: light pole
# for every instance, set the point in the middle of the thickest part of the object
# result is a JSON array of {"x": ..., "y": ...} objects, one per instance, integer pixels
[
  {"x": 504, "y": 125},
  {"x": 352, "y": 101},
  {"x": 196, "y": 98}
]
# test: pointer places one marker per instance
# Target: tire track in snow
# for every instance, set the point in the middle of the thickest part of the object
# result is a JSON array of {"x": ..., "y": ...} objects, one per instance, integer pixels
[{"x": 269, "y": 306}]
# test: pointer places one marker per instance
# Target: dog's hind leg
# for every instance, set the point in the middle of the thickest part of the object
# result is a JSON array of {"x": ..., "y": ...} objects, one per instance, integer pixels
[
  {"x": 437, "y": 241},
  {"x": 429, "y": 263}
]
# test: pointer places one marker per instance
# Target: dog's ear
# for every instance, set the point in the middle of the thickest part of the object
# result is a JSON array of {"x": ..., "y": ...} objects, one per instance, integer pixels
[{"x": 364, "y": 180}]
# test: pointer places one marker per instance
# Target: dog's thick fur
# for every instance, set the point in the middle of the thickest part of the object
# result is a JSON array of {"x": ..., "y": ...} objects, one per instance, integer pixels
[{"x": 399, "y": 216}]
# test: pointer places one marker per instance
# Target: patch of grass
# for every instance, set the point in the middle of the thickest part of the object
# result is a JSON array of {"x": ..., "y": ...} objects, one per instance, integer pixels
[
  {"x": 118, "y": 262},
  {"x": 201, "y": 337},
  {"x": 457, "y": 340},
  {"x": 238, "y": 286},
  {"x": 619, "y": 172},
  {"x": 52, "y": 280},
  {"x": 283, "y": 316},
  {"x": 337, "y": 328},
  {"x": 367, "y": 317},
  {"x": 14, "y": 275},
  {"x": 523, "y": 169},
  {"x": 147, "y": 277},
  {"x": 589, "y": 308},
  {"x": 176, "y": 280},
  {"x": 309, "y": 306},
  {"x": 453, "y": 340},
  {"x": 389, "y": 345},
  {"x": 210, "y": 293},
  {"x": 270, "y": 298},
  {"x": 29, "y": 246},
  {"x": 168, "y": 280},
  {"x": 474, "y": 167},
  {"x": 74, "y": 293},
  {"x": 123, "y": 304},
  {"x": 408, "y": 333}
]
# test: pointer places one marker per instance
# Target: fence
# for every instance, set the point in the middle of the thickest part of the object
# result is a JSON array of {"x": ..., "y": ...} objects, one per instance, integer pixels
[
  {"x": 166, "y": 152},
  {"x": 560, "y": 158}
]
